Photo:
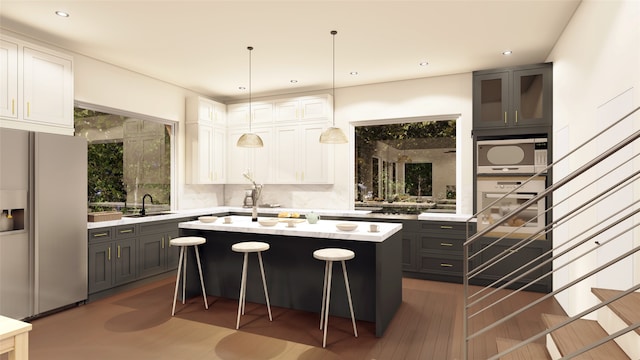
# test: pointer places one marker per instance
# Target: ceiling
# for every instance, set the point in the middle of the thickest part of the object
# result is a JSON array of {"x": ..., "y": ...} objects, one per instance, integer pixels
[{"x": 202, "y": 45}]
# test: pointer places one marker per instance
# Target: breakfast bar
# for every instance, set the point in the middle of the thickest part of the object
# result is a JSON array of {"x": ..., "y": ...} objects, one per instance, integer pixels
[{"x": 294, "y": 277}]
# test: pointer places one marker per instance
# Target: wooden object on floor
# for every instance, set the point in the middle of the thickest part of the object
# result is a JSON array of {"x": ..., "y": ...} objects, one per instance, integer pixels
[
  {"x": 579, "y": 334},
  {"x": 247, "y": 247},
  {"x": 183, "y": 243},
  {"x": 14, "y": 338},
  {"x": 329, "y": 256}
]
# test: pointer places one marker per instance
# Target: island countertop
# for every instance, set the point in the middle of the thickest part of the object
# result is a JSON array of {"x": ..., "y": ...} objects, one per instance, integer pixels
[{"x": 325, "y": 229}]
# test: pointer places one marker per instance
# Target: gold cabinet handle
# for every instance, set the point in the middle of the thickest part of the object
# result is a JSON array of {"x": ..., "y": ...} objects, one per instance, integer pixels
[
  {"x": 162, "y": 242},
  {"x": 118, "y": 251},
  {"x": 100, "y": 234},
  {"x": 446, "y": 244},
  {"x": 28, "y": 109},
  {"x": 505, "y": 117},
  {"x": 109, "y": 254},
  {"x": 516, "y": 116},
  {"x": 126, "y": 231},
  {"x": 445, "y": 265},
  {"x": 13, "y": 106},
  {"x": 446, "y": 227}
]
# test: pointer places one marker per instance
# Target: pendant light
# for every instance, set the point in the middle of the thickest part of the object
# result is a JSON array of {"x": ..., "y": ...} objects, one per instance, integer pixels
[
  {"x": 333, "y": 135},
  {"x": 250, "y": 140}
]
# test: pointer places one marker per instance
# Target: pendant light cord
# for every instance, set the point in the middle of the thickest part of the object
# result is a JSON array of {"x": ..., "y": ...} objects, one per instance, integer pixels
[
  {"x": 333, "y": 94},
  {"x": 250, "y": 114}
]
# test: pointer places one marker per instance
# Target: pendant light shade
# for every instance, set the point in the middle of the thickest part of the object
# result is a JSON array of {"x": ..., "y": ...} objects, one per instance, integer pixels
[
  {"x": 333, "y": 135},
  {"x": 250, "y": 140}
]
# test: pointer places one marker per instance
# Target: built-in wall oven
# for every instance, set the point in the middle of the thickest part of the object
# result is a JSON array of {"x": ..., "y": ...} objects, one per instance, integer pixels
[{"x": 523, "y": 224}]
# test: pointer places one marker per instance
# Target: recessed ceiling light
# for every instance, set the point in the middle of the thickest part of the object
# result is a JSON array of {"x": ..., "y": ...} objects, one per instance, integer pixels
[
  {"x": 423, "y": 63},
  {"x": 293, "y": 81},
  {"x": 506, "y": 52},
  {"x": 62, "y": 13},
  {"x": 353, "y": 73},
  {"x": 242, "y": 88}
]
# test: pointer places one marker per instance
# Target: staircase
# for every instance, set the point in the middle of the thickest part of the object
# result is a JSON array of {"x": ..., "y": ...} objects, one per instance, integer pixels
[{"x": 594, "y": 228}]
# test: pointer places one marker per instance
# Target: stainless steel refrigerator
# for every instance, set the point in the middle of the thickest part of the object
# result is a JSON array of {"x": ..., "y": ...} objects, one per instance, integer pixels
[{"x": 43, "y": 223}]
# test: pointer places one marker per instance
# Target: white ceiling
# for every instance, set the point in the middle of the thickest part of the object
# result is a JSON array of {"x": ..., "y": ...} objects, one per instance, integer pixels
[{"x": 202, "y": 45}]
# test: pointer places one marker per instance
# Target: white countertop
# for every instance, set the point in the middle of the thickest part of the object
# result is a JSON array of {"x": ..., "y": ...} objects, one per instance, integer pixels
[
  {"x": 222, "y": 210},
  {"x": 323, "y": 229},
  {"x": 444, "y": 217}
]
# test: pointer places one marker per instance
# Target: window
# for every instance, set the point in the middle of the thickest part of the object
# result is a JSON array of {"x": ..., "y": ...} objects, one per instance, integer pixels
[
  {"x": 128, "y": 157},
  {"x": 410, "y": 165}
]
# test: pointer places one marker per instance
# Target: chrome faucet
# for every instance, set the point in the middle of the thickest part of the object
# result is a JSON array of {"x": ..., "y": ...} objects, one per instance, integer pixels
[{"x": 143, "y": 211}]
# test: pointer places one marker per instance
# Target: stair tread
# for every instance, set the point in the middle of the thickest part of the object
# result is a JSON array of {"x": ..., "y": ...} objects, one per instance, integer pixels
[
  {"x": 579, "y": 334},
  {"x": 527, "y": 352},
  {"x": 627, "y": 308}
]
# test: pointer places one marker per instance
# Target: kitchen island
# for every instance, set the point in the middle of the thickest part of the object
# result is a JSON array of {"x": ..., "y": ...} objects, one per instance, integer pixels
[{"x": 294, "y": 277}]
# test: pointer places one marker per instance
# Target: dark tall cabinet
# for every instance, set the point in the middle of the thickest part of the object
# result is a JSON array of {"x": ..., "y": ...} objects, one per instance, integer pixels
[{"x": 513, "y": 100}]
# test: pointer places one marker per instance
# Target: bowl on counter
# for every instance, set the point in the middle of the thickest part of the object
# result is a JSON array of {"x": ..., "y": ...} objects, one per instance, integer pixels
[
  {"x": 208, "y": 219},
  {"x": 268, "y": 222},
  {"x": 346, "y": 226}
]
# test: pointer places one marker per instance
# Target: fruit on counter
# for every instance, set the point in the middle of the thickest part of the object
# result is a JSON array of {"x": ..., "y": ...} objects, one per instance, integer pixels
[{"x": 285, "y": 214}]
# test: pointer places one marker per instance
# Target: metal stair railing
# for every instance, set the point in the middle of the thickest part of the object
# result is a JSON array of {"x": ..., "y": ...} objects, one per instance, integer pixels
[{"x": 570, "y": 250}]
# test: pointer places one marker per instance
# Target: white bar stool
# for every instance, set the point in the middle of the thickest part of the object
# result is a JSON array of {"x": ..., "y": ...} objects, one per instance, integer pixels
[
  {"x": 183, "y": 242},
  {"x": 246, "y": 248},
  {"x": 330, "y": 255}
]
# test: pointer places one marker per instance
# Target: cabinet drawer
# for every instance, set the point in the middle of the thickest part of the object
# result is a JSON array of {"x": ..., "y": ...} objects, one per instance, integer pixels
[
  {"x": 101, "y": 234},
  {"x": 445, "y": 227},
  {"x": 126, "y": 231},
  {"x": 441, "y": 244},
  {"x": 441, "y": 264}
]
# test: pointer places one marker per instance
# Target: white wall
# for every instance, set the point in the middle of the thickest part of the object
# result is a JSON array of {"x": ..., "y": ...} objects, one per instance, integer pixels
[{"x": 596, "y": 60}]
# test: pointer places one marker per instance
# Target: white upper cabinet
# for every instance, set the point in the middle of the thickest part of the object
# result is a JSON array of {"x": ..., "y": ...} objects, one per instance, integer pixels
[
  {"x": 304, "y": 108},
  {"x": 290, "y": 129},
  {"x": 9, "y": 79},
  {"x": 36, "y": 88},
  {"x": 262, "y": 113},
  {"x": 254, "y": 161},
  {"x": 299, "y": 156},
  {"x": 205, "y": 142}
]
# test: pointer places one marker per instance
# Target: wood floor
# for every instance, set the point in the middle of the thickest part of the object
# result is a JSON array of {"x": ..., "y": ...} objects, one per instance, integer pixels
[{"x": 138, "y": 325}]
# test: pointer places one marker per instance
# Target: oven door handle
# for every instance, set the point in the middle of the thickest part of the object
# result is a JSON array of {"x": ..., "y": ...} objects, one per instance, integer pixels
[{"x": 510, "y": 196}]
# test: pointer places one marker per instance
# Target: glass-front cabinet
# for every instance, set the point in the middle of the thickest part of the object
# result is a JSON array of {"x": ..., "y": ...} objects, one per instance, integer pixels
[{"x": 515, "y": 97}]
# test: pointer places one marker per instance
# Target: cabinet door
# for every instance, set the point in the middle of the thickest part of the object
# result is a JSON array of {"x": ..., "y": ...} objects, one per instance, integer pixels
[
  {"x": 491, "y": 100},
  {"x": 125, "y": 261},
  {"x": 204, "y": 155},
  {"x": 219, "y": 155},
  {"x": 8, "y": 79},
  {"x": 152, "y": 254},
  {"x": 409, "y": 251},
  {"x": 288, "y": 110},
  {"x": 254, "y": 161},
  {"x": 315, "y": 158},
  {"x": 532, "y": 97},
  {"x": 100, "y": 269},
  {"x": 316, "y": 108},
  {"x": 48, "y": 88},
  {"x": 286, "y": 155}
]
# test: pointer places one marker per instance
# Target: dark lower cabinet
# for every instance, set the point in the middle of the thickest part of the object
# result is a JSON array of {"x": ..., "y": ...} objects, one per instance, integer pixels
[
  {"x": 122, "y": 255},
  {"x": 111, "y": 262},
  {"x": 439, "y": 250},
  {"x": 527, "y": 264},
  {"x": 155, "y": 254}
]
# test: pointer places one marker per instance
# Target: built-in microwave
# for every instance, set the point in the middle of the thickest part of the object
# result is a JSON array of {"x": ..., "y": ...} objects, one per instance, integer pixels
[{"x": 512, "y": 156}]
